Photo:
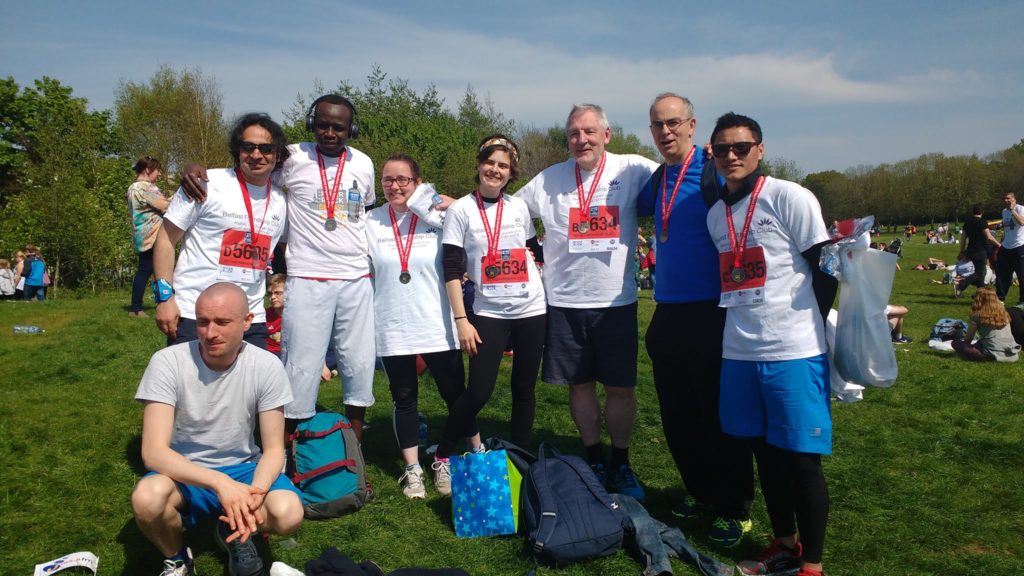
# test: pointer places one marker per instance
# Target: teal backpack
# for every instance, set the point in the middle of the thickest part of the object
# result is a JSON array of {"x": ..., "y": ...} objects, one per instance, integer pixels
[{"x": 328, "y": 466}]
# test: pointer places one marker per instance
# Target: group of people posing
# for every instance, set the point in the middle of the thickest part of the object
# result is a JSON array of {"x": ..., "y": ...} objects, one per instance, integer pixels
[{"x": 737, "y": 339}]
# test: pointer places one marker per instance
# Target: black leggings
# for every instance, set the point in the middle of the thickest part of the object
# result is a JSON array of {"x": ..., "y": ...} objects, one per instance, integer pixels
[
  {"x": 796, "y": 495},
  {"x": 527, "y": 336},
  {"x": 142, "y": 276},
  {"x": 449, "y": 375}
]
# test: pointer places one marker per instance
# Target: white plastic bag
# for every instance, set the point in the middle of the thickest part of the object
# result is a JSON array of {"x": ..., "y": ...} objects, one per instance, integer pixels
[
  {"x": 864, "y": 352},
  {"x": 842, "y": 390}
]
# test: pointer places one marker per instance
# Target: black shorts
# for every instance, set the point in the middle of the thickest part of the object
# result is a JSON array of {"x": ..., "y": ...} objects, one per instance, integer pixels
[{"x": 591, "y": 344}]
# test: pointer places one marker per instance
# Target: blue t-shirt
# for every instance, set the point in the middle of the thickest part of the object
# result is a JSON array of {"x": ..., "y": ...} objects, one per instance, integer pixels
[
  {"x": 688, "y": 262},
  {"x": 36, "y": 268}
]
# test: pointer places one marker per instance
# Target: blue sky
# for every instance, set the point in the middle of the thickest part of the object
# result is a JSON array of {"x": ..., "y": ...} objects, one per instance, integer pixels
[{"x": 834, "y": 84}]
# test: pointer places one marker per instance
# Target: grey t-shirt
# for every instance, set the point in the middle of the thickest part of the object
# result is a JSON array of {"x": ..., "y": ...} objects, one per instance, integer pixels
[
  {"x": 215, "y": 412},
  {"x": 998, "y": 342}
]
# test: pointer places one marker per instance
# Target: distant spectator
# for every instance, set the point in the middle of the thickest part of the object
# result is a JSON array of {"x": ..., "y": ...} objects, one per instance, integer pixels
[
  {"x": 7, "y": 280},
  {"x": 146, "y": 206},
  {"x": 974, "y": 245},
  {"x": 275, "y": 289},
  {"x": 34, "y": 271},
  {"x": 1011, "y": 255},
  {"x": 19, "y": 284},
  {"x": 895, "y": 314},
  {"x": 990, "y": 321}
]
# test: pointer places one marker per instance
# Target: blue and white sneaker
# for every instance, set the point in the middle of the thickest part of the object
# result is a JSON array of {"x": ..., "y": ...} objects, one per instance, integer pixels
[{"x": 624, "y": 481}]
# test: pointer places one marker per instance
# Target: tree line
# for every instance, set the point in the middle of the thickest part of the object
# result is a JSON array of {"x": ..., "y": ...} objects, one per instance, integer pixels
[{"x": 64, "y": 169}]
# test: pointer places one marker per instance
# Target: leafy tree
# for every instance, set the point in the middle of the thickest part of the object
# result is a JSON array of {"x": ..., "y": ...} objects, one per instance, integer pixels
[
  {"x": 68, "y": 182},
  {"x": 175, "y": 117}
]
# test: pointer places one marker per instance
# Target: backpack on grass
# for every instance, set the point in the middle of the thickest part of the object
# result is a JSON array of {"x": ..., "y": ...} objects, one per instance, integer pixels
[
  {"x": 569, "y": 515},
  {"x": 948, "y": 329},
  {"x": 329, "y": 467}
]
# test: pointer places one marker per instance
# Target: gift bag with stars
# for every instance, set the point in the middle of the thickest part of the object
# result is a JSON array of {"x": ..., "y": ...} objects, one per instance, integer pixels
[{"x": 485, "y": 494}]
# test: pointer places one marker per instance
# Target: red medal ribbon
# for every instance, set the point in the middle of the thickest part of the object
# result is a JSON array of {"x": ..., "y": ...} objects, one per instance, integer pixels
[
  {"x": 403, "y": 251},
  {"x": 668, "y": 203},
  {"x": 248, "y": 206},
  {"x": 492, "y": 236},
  {"x": 585, "y": 202},
  {"x": 739, "y": 247},
  {"x": 330, "y": 195}
]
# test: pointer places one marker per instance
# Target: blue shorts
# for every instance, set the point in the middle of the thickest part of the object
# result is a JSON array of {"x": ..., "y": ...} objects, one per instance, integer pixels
[
  {"x": 786, "y": 402},
  {"x": 201, "y": 503},
  {"x": 591, "y": 344}
]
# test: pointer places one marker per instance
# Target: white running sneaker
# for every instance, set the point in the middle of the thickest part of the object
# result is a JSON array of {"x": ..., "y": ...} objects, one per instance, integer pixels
[
  {"x": 412, "y": 483},
  {"x": 442, "y": 476}
]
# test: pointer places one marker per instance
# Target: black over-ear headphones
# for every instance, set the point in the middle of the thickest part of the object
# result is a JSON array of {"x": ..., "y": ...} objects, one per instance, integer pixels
[{"x": 353, "y": 128}]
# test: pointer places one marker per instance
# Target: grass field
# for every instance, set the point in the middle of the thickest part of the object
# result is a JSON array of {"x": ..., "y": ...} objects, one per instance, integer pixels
[{"x": 927, "y": 476}]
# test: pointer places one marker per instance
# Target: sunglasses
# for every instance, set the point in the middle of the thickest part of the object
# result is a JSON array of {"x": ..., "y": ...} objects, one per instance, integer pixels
[
  {"x": 740, "y": 148},
  {"x": 249, "y": 147}
]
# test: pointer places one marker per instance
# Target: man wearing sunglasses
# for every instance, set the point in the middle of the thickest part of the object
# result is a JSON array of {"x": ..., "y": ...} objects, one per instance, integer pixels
[
  {"x": 684, "y": 339},
  {"x": 227, "y": 238},
  {"x": 775, "y": 376}
]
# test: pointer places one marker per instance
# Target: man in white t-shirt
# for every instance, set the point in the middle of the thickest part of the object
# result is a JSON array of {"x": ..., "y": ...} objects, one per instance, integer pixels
[
  {"x": 1011, "y": 255},
  {"x": 588, "y": 207},
  {"x": 230, "y": 237},
  {"x": 330, "y": 294},
  {"x": 775, "y": 376},
  {"x": 202, "y": 402}
]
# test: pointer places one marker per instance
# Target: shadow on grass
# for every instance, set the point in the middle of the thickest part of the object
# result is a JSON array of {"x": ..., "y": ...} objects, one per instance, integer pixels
[{"x": 133, "y": 455}]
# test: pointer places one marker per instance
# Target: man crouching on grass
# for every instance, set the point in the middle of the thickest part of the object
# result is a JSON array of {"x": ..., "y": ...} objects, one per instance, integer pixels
[{"x": 202, "y": 399}]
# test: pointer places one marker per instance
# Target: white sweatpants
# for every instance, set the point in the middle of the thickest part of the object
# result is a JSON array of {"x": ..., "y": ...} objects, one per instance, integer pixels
[{"x": 314, "y": 310}]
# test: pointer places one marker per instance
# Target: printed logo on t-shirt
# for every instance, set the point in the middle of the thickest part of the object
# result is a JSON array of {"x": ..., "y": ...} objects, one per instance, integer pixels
[{"x": 765, "y": 225}]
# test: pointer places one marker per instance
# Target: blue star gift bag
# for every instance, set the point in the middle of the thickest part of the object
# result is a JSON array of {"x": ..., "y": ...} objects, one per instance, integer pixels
[{"x": 485, "y": 494}]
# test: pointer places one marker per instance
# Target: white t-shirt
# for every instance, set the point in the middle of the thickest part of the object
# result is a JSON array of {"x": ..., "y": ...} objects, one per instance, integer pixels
[
  {"x": 313, "y": 251},
  {"x": 463, "y": 227},
  {"x": 787, "y": 326},
  {"x": 413, "y": 318},
  {"x": 1013, "y": 233},
  {"x": 215, "y": 412},
  {"x": 209, "y": 227},
  {"x": 588, "y": 280}
]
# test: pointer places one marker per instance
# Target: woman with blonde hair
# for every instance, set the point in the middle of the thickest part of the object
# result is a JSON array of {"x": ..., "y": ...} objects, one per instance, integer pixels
[{"x": 990, "y": 321}]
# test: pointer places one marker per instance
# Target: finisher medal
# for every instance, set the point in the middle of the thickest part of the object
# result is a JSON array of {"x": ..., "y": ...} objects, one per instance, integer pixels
[
  {"x": 404, "y": 277},
  {"x": 330, "y": 224},
  {"x": 492, "y": 271},
  {"x": 738, "y": 275},
  {"x": 664, "y": 236},
  {"x": 583, "y": 227}
]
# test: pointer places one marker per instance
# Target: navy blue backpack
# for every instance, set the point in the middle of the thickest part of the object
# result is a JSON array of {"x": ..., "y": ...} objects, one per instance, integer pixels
[{"x": 569, "y": 515}]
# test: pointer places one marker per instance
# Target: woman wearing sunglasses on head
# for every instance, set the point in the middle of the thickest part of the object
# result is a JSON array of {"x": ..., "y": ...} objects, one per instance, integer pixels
[
  {"x": 411, "y": 311},
  {"x": 490, "y": 235}
]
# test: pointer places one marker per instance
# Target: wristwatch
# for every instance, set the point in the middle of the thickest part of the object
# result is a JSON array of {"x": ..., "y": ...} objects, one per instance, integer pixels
[{"x": 162, "y": 291}]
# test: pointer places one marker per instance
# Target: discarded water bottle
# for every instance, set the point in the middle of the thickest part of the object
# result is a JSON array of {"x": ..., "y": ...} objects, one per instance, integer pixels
[
  {"x": 355, "y": 202},
  {"x": 423, "y": 431},
  {"x": 28, "y": 330}
]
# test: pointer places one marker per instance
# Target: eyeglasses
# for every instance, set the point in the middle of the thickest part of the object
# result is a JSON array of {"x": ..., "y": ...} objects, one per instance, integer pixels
[
  {"x": 672, "y": 123},
  {"x": 249, "y": 147},
  {"x": 400, "y": 180},
  {"x": 740, "y": 148}
]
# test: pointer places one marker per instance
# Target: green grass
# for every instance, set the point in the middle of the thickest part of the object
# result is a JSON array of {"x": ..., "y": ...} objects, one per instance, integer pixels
[{"x": 927, "y": 476}]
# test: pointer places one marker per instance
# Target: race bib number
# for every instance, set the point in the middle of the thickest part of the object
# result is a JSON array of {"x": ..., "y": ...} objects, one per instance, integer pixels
[
  {"x": 509, "y": 276},
  {"x": 744, "y": 287},
  {"x": 596, "y": 231},
  {"x": 241, "y": 260}
]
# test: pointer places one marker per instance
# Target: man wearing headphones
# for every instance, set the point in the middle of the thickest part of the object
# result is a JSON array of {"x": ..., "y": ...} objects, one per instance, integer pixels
[{"x": 330, "y": 296}]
